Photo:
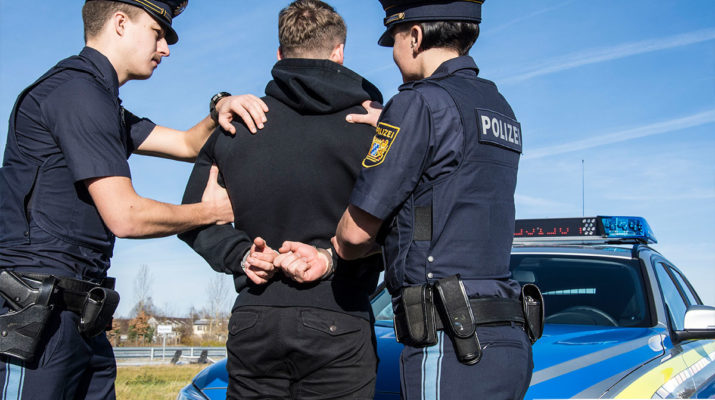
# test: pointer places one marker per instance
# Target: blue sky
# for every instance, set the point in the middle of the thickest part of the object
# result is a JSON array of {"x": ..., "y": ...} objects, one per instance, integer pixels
[{"x": 628, "y": 87}]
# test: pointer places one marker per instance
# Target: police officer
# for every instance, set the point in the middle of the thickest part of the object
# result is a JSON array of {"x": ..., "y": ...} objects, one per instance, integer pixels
[
  {"x": 438, "y": 187},
  {"x": 66, "y": 192}
]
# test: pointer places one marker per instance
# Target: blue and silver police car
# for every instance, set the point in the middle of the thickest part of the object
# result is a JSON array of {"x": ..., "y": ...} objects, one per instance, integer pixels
[{"x": 621, "y": 320}]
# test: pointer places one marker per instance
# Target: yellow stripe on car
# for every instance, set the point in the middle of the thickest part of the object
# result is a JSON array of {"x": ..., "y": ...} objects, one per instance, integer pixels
[{"x": 671, "y": 373}]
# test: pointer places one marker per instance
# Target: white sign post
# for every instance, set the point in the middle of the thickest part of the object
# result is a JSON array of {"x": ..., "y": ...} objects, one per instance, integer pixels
[{"x": 163, "y": 330}]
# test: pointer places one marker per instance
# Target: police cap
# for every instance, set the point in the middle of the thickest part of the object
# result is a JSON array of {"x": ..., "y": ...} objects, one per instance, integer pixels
[
  {"x": 399, "y": 11},
  {"x": 164, "y": 11}
]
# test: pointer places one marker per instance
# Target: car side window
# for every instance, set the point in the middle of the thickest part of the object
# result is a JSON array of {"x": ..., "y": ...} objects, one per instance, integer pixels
[
  {"x": 672, "y": 296},
  {"x": 685, "y": 287}
]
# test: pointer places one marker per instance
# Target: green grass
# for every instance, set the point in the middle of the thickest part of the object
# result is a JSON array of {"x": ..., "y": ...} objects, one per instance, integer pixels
[{"x": 161, "y": 382}]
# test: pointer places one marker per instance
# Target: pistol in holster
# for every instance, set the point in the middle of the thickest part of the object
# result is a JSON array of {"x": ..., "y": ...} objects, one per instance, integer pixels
[
  {"x": 21, "y": 328},
  {"x": 31, "y": 299}
]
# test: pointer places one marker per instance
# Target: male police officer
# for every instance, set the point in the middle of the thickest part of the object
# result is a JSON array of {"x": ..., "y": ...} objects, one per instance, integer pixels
[
  {"x": 438, "y": 186},
  {"x": 288, "y": 339},
  {"x": 67, "y": 192}
]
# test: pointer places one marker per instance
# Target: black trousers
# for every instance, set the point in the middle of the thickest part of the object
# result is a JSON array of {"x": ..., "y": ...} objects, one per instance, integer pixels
[{"x": 300, "y": 353}]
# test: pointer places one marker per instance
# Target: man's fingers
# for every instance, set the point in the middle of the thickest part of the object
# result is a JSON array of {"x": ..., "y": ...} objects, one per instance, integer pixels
[
  {"x": 213, "y": 175},
  {"x": 283, "y": 260},
  {"x": 357, "y": 118},
  {"x": 288, "y": 246},
  {"x": 259, "y": 242},
  {"x": 248, "y": 120},
  {"x": 224, "y": 120},
  {"x": 254, "y": 277}
]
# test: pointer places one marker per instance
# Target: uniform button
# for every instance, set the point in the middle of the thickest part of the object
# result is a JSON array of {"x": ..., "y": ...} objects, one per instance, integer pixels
[
  {"x": 430, "y": 275},
  {"x": 26, "y": 233},
  {"x": 430, "y": 259},
  {"x": 4, "y": 333},
  {"x": 333, "y": 328}
]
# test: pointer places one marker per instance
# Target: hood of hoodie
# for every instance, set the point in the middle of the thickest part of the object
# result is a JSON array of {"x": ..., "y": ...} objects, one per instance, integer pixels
[{"x": 312, "y": 86}]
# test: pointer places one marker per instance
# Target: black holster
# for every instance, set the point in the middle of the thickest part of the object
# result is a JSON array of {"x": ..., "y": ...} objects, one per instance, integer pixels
[
  {"x": 458, "y": 318},
  {"x": 533, "y": 306},
  {"x": 96, "y": 314},
  {"x": 22, "y": 327}
]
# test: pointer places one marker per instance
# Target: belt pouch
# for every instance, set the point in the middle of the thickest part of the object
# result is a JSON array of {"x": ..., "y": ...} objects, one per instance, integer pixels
[
  {"x": 532, "y": 303},
  {"x": 21, "y": 328},
  {"x": 458, "y": 319},
  {"x": 99, "y": 306},
  {"x": 415, "y": 324}
]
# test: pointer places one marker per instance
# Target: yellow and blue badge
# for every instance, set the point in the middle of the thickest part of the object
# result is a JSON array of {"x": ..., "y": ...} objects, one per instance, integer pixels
[{"x": 384, "y": 136}]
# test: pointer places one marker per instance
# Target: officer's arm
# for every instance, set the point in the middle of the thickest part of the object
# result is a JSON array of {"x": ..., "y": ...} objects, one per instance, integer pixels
[
  {"x": 355, "y": 237},
  {"x": 185, "y": 145},
  {"x": 129, "y": 215}
]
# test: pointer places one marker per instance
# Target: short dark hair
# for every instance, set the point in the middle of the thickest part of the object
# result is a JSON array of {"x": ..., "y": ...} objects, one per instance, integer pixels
[
  {"x": 457, "y": 35},
  {"x": 95, "y": 14},
  {"x": 310, "y": 28}
]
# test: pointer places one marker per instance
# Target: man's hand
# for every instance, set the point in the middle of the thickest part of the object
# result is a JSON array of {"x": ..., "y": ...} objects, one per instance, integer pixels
[
  {"x": 216, "y": 197},
  {"x": 373, "y": 109},
  {"x": 302, "y": 262},
  {"x": 259, "y": 266},
  {"x": 251, "y": 109}
]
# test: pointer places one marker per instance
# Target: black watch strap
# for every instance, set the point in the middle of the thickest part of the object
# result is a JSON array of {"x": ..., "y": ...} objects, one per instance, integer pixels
[{"x": 212, "y": 104}]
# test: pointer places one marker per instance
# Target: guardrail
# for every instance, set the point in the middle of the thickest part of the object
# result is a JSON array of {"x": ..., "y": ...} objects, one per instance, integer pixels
[{"x": 168, "y": 352}]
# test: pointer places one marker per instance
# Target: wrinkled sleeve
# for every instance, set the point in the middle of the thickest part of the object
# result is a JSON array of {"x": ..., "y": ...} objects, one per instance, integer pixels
[
  {"x": 139, "y": 129},
  {"x": 393, "y": 166},
  {"x": 85, "y": 123},
  {"x": 221, "y": 246}
]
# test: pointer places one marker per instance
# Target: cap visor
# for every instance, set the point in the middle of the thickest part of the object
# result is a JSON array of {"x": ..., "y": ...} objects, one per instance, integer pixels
[{"x": 386, "y": 40}]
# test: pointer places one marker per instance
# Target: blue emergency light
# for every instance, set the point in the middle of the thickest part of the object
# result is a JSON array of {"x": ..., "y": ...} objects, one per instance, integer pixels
[{"x": 591, "y": 229}]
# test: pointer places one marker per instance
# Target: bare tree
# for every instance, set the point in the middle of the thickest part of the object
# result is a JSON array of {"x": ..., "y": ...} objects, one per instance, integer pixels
[
  {"x": 142, "y": 287},
  {"x": 218, "y": 294}
]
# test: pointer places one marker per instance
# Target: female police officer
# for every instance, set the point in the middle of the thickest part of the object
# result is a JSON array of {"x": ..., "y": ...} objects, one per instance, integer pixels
[{"x": 438, "y": 187}]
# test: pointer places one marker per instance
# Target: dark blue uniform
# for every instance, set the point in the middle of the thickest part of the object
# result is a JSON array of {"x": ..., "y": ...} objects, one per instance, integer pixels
[
  {"x": 67, "y": 127},
  {"x": 441, "y": 173}
]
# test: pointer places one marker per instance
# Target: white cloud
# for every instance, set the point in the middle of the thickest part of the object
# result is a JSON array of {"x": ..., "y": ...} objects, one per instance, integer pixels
[
  {"x": 525, "y": 17},
  {"x": 599, "y": 55},
  {"x": 602, "y": 139}
]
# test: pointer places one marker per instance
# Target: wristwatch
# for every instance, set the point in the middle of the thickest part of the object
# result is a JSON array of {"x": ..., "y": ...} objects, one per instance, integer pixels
[{"x": 212, "y": 104}]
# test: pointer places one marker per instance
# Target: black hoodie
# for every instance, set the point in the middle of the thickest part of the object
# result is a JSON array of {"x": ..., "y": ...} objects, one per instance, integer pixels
[{"x": 292, "y": 181}]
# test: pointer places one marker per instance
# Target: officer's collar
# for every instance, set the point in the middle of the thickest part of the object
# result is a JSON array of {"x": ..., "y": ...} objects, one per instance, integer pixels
[
  {"x": 453, "y": 65},
  {"x": 105, "y": 70}
]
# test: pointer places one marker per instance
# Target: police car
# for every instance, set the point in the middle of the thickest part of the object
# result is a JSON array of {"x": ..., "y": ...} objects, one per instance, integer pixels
[{"x": 621, "y": 320}]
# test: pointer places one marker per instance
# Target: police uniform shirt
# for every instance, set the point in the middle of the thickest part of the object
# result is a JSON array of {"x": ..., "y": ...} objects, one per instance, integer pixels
[
  {"x": 419, "y": 140},
  {"x": 72, "y": 123}
]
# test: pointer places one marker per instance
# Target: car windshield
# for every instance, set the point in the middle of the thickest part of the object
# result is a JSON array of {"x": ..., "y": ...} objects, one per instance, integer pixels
[
  {"x": 586, "y": 290},
  {"x": 577, "y": 290}
]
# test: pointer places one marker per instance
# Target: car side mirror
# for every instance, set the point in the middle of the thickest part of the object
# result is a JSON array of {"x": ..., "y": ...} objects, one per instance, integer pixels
[{"x": 699, "y": 323}]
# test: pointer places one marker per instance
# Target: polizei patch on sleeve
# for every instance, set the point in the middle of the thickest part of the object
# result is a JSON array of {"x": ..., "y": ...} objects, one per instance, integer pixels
[
  {"x": 384, "y": 137},
  {"x": 498, "y": 129}
]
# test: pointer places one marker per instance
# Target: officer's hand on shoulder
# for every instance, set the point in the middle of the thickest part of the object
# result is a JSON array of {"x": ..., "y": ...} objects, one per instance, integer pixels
[
  {"x": 373, "y": 108},
  {"x": 251, "y": 109}
]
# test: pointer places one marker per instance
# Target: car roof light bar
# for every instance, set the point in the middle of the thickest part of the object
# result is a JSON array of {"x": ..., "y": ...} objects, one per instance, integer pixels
[{"x": 600, "y": 229}]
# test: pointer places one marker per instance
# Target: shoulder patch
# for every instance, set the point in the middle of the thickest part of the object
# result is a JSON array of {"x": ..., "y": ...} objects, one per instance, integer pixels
[
  {"x": 498, "y": 130},
  {"x": 384, "y": 136}
]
